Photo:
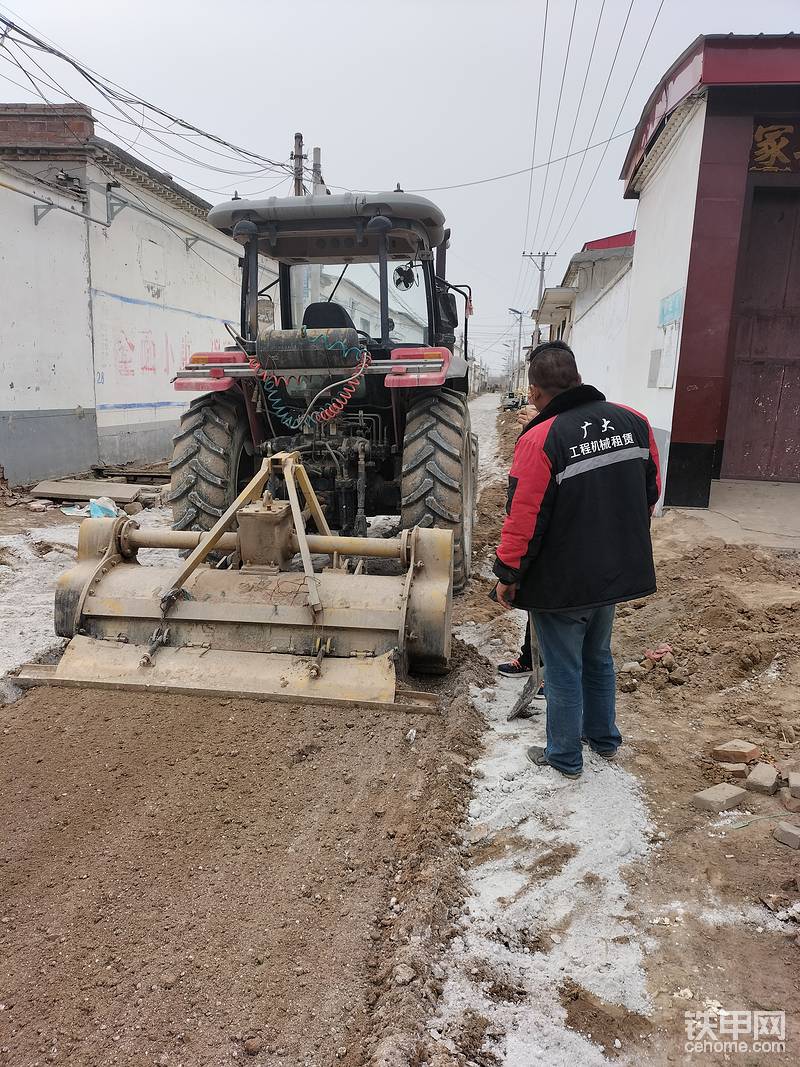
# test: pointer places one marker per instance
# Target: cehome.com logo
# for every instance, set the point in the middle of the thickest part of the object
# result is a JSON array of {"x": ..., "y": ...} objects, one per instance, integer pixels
[{"x": 735, "y": 1031}]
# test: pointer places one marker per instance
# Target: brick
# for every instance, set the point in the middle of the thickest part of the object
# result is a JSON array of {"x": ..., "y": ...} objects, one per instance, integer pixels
[
  {"x": 719, "y": 797},
  {"x": 737, "y": 770},
  {"x": 791, "y": 803},
  {"x": 784, "y": 767},
  {"x": 736, "y": 751},
  {"x": 788, "y": 834},
  {"x": 794, "y": 783},
  {"x": 763, "y": 778},
  {"x": 40, "y": 124}
]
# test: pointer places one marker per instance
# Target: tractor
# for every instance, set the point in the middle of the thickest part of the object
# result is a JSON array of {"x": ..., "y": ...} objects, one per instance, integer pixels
[{"x": 346, "y": 354}]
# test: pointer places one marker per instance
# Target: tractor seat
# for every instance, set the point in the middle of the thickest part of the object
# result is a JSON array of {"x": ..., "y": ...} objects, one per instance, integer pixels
[{"x": 326, "y": 315}]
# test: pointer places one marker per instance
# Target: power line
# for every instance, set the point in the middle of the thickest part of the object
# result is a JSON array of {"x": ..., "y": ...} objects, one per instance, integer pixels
[
  {"x": 523, "y": 265},
  {"x": 596, "y": 117},
  {"x": 108, "y": 88},
  {"x": 536, "y": 125},
  {"x": 543, "y": 197},
  {"x": 545, "y": 242},
  {"x": 619, "y": 116},
  {"x": 50, "y": 82},
  {"x": 113, "y": 177},
  {"x": 172, "y": 152},
  {"x": 510, "y": 173}
]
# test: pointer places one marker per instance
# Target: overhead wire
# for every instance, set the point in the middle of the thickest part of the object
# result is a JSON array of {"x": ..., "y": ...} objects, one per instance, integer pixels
[
  {"x": 536, "y": 125},
  {"x": 596, "y": 117},
  {"x": 113, "y": 178},
  {"x": 170, "y": 151},
  {"x": 52, "y": 83},
  {"x": 524, "y": 264},
  {"x": 546, "y": 237},
  {"x": 564, "y": 68},
  {"x": 253, "y": 177},
  {"x": 616, "y": 121},
  {"x": 121, "y": 94}
]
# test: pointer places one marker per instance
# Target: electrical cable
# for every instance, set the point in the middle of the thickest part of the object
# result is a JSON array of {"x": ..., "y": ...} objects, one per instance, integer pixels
[
  {"x": 596, "y": 117},
  {"x": 84, "y": 144},
  {"x": 494, "y": 177},
  {"x": 546, "y": 240},
  {"x": 132, "y": 122},
  {"x": 564, "y": 67},
  {"x": 105, "y": 85},
  {"x": 524, "y": 264},
  {"x": 168, "y": 151},
  {"x": 619, "y": 116}
]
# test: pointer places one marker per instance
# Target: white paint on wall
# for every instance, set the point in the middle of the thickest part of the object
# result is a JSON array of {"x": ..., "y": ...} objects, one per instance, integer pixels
[
  {"x": 98, "y": 318},
  {"x": 664, "y": 225},
  {"x": 599, "y": 329},
  {"x": 45, "y": 357},
  {"x": 154, "y": 302}
]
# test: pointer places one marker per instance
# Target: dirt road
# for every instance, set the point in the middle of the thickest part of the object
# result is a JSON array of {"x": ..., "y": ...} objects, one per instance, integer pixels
[{"x": 199, "y": 882}]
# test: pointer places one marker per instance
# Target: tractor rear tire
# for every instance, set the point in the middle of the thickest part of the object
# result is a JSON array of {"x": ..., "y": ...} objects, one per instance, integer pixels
[
  {"x": 438, "y": 483},
  {"x": 211, "y": 460}
]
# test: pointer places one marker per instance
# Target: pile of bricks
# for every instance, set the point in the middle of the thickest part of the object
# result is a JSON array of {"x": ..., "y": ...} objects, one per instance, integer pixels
[{"x": 742, "y": 760}]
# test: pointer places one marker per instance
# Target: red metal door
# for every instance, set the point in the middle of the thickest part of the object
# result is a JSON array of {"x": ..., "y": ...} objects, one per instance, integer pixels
[{"x": 762, "y": 436}]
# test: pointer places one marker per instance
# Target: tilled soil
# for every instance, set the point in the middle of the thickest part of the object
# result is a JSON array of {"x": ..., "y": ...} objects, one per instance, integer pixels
[{"x": 192, "y": 881}]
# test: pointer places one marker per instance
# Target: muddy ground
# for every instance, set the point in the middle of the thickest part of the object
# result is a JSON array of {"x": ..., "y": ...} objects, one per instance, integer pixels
[
  {"x": 194, "y": 882},
  {"x": 184, "y": 880}
]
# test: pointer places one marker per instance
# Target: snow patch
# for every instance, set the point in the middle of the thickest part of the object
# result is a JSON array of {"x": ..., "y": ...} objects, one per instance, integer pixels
[
  {"x": 30, "y": 564},
  {"x": 549, "y": 902}
]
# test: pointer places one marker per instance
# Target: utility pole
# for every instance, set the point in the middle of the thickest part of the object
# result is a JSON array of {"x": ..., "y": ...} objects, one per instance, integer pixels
[
  {"x": 540, "y": 266},
  {"x": 297, "y": 159},
  {"x": 318, "y": 185},
  {"x": 517, "y": 375}
]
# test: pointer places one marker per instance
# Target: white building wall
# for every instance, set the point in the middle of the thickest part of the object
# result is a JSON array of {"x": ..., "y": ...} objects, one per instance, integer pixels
[
  {"x": 47, "y": 421},
  {"x": 599, "y": 333},
  {"x": 664, "y": 225},
  {"x": 154, "y": 302}
]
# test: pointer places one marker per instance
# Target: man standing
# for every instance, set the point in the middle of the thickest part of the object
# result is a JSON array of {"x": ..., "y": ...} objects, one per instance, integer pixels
[{"x": 576, "y": 542}]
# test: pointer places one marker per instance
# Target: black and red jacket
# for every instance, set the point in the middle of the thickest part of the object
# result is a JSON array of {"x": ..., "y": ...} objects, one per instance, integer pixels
[{"x": 583, "y": 483}]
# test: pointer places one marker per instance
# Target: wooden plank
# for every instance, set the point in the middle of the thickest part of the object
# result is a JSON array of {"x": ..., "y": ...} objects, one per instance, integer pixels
[{"x": 75, "y": 489}]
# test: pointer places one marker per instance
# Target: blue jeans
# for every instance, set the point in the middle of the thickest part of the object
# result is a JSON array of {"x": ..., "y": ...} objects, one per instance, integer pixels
[{"x": 579, "y": 683}]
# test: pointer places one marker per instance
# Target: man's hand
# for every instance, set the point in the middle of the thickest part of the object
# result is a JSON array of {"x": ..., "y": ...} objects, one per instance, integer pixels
[
  {"x": 524, "y": 415},
  {"x": 506, "y": 594}
]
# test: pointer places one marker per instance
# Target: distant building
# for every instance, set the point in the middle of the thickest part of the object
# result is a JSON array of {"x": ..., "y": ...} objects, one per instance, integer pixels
[
  {"x": 713, "y": 304},
  {"x": 110, "y": 277},
  {"x": 589, "y": 309}
]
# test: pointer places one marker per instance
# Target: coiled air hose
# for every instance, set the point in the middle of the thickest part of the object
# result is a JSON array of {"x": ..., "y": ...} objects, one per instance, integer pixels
[{"x": 335, "y": 407}]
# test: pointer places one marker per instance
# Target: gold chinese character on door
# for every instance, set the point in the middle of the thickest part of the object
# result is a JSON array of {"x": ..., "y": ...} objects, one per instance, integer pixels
[{"x": 775, "y": 147}]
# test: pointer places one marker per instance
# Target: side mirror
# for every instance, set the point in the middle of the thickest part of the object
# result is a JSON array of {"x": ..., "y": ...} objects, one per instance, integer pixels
[{"x": 448, "y": 311}]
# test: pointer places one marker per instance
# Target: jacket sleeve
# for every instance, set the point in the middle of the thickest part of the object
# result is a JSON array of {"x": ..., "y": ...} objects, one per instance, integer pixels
[
  {"x": 529, "y": 514},
  {"x": 653, "y": 473}
]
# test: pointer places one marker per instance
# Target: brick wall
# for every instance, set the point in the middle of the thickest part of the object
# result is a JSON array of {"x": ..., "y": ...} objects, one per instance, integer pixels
[{"x": 38, "y": 125}]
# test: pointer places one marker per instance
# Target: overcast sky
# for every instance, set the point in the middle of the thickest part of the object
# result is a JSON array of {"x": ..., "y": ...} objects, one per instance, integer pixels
[{"x": 425, "y": 92}]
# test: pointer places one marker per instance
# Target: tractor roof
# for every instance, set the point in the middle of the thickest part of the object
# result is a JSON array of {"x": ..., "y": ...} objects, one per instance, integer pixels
[{"x": 332, "y": 229}]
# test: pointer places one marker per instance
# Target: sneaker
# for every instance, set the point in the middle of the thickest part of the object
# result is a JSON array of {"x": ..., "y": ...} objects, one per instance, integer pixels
[
  {"x": 603, "y": 755},
  {"x": 537, "y": 757},
  {"x": 515, "y": 669},
  {"x": 539, "y": 694}
]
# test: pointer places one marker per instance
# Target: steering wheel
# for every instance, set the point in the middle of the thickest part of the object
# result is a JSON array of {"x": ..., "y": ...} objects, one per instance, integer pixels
[{"x": 363, "y": 334}]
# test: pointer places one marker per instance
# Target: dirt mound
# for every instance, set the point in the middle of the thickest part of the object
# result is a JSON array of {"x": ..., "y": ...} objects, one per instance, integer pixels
[{"x": 730, "y": 614}]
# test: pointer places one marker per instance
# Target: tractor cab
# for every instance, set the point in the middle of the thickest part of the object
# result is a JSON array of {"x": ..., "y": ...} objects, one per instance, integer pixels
[
  {"x": 346, "y": 353},
  {"x": 350, "y": 261}
]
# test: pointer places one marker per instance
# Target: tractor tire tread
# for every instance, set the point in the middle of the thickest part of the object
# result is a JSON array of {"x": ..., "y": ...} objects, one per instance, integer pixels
[
  {"x": 201, "y": 467},
  {"x": 433, "y": 471}
]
